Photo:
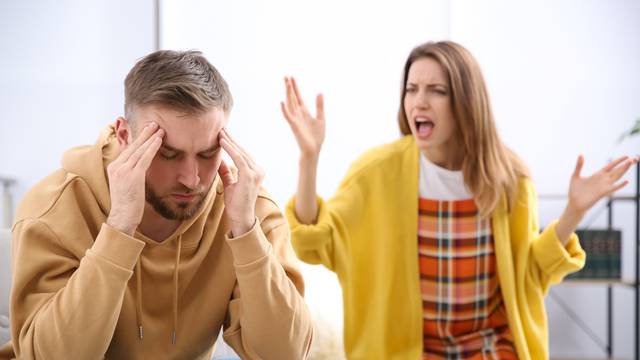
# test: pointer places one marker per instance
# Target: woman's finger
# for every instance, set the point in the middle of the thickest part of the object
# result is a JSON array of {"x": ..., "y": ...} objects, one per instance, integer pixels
[
  {"x": 292, "y": 104},
  {"x": 578, "y": 168},
  {"x": 614, "y": 163},
  {"x": 297, "y": 93},
  {"x": 286, "y": 113},
  {"x": 320, "y": 107},
  {"x": 618, "y": 187},
  {"x": 621, "y": 169}
]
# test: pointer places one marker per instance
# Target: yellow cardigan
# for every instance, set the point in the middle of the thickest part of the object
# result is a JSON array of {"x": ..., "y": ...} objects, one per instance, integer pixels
[{"x": 367, "y": 235}]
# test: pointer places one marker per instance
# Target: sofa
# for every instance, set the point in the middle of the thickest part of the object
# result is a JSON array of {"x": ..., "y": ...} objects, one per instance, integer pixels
[{"x": 5, "y": 283}]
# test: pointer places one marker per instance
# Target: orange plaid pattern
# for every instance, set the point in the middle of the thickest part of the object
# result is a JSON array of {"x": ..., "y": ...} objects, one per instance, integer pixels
[{"x": 463, "y": 313}]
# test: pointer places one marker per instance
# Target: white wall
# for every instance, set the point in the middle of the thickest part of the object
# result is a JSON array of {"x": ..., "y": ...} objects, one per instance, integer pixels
[{"x": 62, "y": 71}]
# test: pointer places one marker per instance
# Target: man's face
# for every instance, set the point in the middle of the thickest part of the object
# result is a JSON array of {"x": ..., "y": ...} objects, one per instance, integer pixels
[{"x": 183, "y": 170}]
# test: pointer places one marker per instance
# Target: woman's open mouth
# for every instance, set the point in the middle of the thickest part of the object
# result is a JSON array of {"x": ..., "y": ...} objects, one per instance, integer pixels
[{"x": 424, "y": 127}]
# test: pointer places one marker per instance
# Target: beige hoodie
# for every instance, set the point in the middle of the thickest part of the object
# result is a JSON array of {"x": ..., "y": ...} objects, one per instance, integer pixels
[{"x": 83, "y": 290}]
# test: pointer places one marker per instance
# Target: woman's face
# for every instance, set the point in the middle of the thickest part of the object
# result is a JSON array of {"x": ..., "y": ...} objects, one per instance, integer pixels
[{"x": 427, "y": 104}]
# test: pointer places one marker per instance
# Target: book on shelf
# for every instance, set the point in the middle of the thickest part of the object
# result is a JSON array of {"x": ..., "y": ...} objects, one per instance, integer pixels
[{"x": 603, "y": 249}]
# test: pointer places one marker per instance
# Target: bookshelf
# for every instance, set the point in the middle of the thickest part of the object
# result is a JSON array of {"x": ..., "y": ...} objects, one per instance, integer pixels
[{"x": 610, "y": 283}]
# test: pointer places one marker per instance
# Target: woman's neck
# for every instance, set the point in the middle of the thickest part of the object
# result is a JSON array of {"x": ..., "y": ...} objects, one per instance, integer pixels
[{"x": 449, "y": 155}]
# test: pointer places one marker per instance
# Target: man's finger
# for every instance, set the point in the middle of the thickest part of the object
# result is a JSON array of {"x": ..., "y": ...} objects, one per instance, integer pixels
[
  {"x": 225, "y": 174},
  {"x": 234, "y": 153},
  {"x": 150, "y": 152},
  {"x": 144, "y": 135},
  {"x": 252, "y": 164},
  {"x": 139, "y": 152}
]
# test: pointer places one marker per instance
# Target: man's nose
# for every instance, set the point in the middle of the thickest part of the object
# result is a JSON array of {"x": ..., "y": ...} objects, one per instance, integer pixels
[{"x": 189, "y": 174}]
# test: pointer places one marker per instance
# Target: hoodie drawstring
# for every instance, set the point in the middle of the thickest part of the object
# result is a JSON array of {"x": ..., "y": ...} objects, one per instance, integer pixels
[
  {"x": 176, "y": 265},
  {"x": 175, "y": 290},
  {"x": 139, "y": 297}
]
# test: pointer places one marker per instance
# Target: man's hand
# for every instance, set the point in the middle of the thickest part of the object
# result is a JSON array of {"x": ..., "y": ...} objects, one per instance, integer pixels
[
  {"x": 239, "y": 194},
  {"x": 127, "y": 179}
]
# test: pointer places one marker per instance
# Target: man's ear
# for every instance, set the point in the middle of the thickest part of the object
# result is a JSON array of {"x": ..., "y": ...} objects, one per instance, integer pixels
[{"x": 123, "y": 132}]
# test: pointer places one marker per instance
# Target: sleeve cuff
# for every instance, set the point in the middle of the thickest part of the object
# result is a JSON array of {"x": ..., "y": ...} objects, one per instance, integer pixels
[
  {"x": 250, "y": 246},
  {"x": 552, "y": 256},
  {"x": 309, "y": 237},
  {"x": 116, "y": 247}
]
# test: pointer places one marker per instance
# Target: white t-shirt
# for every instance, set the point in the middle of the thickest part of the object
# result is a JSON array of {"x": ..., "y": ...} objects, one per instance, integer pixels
[{"x": 438, "y": 183}]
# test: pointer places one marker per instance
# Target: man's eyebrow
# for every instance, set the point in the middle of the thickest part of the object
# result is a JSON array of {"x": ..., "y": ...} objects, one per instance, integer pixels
[
  {"x": 172, "y": 149},
  {"x": 211, "y": 149}
]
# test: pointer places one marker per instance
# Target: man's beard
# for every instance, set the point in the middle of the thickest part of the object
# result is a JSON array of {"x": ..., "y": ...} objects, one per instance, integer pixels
[{"x": 182, "y": 210}]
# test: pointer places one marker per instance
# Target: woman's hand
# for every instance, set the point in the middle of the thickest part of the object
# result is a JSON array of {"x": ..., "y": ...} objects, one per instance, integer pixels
[
  {"x": 309, "y": 131},
  {"x": 584, "y": 192}
]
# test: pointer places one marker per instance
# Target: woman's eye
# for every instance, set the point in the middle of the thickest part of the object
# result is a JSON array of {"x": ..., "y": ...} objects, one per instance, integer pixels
[{"x": 410, "y": 90}]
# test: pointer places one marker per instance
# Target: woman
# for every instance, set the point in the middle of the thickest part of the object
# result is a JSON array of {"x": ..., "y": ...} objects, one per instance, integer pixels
[{"x": 435, "y": 237}]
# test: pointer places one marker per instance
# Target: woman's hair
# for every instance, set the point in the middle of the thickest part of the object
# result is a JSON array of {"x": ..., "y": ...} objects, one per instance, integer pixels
[{"x": 490, "y": 168}]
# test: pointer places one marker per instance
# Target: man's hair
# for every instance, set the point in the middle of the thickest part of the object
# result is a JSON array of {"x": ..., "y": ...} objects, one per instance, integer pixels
[{"x": 184, "y": 80}]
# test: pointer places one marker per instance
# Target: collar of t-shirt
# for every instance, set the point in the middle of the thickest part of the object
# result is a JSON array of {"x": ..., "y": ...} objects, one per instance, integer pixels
[{"x": 438, "y": 183}]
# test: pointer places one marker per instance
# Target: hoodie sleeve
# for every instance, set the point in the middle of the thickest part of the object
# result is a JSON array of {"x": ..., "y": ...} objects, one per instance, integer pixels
[
  {"x": 267, "y": 317},
  {"x": 62, "y": 306}
]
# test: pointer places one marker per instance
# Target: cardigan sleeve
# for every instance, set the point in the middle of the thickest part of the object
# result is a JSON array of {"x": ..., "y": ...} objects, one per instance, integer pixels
[
  {"x": 327, "y": 241},
  {"x": 547, "y": 257}
]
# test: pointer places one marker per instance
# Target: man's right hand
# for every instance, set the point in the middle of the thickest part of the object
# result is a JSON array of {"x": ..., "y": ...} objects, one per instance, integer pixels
[{"x": 127, "y": 179}]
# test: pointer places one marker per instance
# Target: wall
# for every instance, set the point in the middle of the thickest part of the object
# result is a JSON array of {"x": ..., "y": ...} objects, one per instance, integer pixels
[{"x": 62, "y": 67}]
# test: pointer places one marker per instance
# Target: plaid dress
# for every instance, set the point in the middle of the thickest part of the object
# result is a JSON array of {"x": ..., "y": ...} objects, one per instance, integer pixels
[{"x": 463, "y": 313}]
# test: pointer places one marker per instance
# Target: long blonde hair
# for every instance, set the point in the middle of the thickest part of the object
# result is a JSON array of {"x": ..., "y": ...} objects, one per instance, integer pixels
[{"x": 490, "y": 168}]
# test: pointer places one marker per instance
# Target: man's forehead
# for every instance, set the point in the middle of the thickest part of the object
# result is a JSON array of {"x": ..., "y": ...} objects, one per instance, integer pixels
[{"x": 187, "y": 131}]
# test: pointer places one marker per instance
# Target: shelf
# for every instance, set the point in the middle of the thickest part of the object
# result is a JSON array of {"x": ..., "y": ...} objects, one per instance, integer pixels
[
  {"x": 564, "y": 197},
  {"x": 598, "y": 282}
]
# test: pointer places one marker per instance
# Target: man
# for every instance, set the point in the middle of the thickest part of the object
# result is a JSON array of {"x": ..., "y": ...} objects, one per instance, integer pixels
[{"x": 145, "y": 244}]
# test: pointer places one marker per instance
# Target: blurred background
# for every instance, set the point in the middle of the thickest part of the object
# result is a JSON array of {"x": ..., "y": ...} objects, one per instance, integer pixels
[{"x": 564, "y": 80}]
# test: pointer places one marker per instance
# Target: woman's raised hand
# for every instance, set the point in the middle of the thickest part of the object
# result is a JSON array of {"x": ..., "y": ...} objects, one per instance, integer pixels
[{"x": 309, "y": 131}]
